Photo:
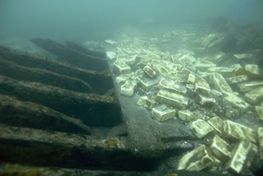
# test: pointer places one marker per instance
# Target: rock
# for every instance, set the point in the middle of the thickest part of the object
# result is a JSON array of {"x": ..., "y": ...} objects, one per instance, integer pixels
[
  {"x": 146, "y": 102},
  {"x": 254, "y": 96},
  {"x": 237, "y": 131},
  {"x": 243, "y": 56},
  {"x": 226, "y": 71},
  {"x": 191, "y": 78},
  {"x": 201, "y": 85},
  {"x": 172, "y": 86},
  {"x": 204, "y": 65},
  {"x": 120, "y": 67},
  {"x": 121, "y": 79},
  {"x": 149, "y": 71},
  {"x": 220, "y": 148},
  {"x": 110, "y": 42},
  {"x": 252, "y": 69},
  {"x": 237, "y": 79},
  {"x": 132, "y": 60},
  {"x": 217, "y": 123},
  {"x": 236, "y": 102},
  {"x": 146, "y": 83},
  {"x": 206, "y": 101},
  {"x": 128, "y": 88},
  {"x": 196, "y": 160},
  {"x": 248, "y": 86},
  {"x": 260, "y": 139},
  {"x": 186, "y": 115},
  {"x": 220, "y": 83},
  {"x": 173, "y": 99},
  {"x": 240, "y": 156},
  {"x": 259, "y": 111},
  {"x": 201, "y": 128},
  {"x": 162, "y": 113},
  {"x": 111, "y": 55}
]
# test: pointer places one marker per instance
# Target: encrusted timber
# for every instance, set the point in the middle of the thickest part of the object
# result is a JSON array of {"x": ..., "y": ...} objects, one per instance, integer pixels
[
  {"x": 71, "y": 56},
  {"x": 15, "y": 71},
  {"x": 99, "y": 81},
  {"x": 82, "y": 49},
  {"x": 43, "y": 148},
  {"x": 22, "y": 170},
  {"x": 19, "y": 113},
  {"x": 92, "y": 109}
]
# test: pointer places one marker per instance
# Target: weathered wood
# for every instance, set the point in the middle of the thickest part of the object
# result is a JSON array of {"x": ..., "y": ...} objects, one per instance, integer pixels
[
  {"x": 71, "y": 56},
  {"x": 82, "y": 49},
  {"x": 92, "y": 109},
  {"x": 38, "y": 147},
  {"x": 21, "y": 170},
  {"x": 100, "y": 82},
  {"x": 27, "y": 114},
  {"x": 15, "y": 71}
]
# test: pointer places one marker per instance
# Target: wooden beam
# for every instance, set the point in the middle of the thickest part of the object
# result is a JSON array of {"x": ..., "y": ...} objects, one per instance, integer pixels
[
  {"x": 71, "y": 56},
  {"x": 57, "y": 149},
  {"x": 92, "y": 109},
  {"x": 27, "y": 114},
  {"x": 100, "y": 82}
]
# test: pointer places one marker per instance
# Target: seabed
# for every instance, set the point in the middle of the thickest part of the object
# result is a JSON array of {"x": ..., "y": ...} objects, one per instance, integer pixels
[{"x": 187, "y": 101}]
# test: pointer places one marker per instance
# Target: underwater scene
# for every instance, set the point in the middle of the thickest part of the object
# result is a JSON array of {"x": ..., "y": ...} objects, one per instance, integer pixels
[{"x": 131, "y": 87}]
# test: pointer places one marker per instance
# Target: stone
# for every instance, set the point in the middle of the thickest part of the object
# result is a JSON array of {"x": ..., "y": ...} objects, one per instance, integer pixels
[
  {"x": 146, "y": 83},
  {"x": 201, "y": 85},
  {"x": 218, "y": 56},
  {"x": 217, "y": 123},
  {"x": 220, "y": 148},
  {"x": 111, "y": 55},
  {"x": 204, "y": 65},
  {"x": 190, "y": 87},
  {"x": 172, "y": 86},
  {"x": 196, "y": 160},
  {"x": 132, "y": 60},
  {"x": 110, "y": 42},
  {"x": 173, "y": 99},
  {"x": 226, "y": 71},
  {"x": 120, "y": 67},
  {"x": 255, "y": 96},
  {"x": 220, "y": 83},
  {"x": 259, "y": 111},
  {"x": 252, "y": 69},
  {"x": 240, "y": 156},
  {"x": 201, "y": 128},
  {"x": 243, "y": 56},
  {"x": 248, "y": 86},
  {"x": 260, "y": 139},
  {"x": 186, "y": 59},
  {"x": 206, "y": 40},
  {"x": 206, "y": 101},
  {"x": 236, "y": 102},
  {"x": 186, "y": 115},
  {"x": 191, "y": 78},
  {"x": 237, "y": 79},
  {"x": 237, "y": 131},
  {"x": 149, "y": 71},
  {"x": 161, "y": 69},
  {"x": 179, "y": 77},
  {"x": 216, "y": 93},
  {"x": 146, "y": 102},
  {"x": 128, "y": 88},
  {"x": 162, "y": 113},
  {"x": 121, "y": 79}
]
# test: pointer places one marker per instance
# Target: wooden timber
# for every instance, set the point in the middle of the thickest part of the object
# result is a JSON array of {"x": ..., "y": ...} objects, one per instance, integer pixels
[{"x": 73, "y": 57}]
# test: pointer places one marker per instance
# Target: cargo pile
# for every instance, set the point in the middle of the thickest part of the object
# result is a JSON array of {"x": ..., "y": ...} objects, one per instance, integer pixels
[{"x": 223, "y": 105}]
